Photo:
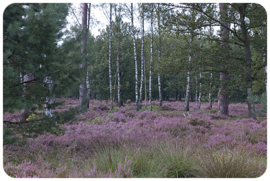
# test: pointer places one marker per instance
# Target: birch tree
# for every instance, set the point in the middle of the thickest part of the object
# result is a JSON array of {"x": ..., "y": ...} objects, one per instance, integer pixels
[
  {"x": 188, "y": 75},
  {"x": 211, "y": 75},
  {"x": 135, "y": 58},
  {"x": 159, "y": 55},
  {"x": 142, "y": 55},
  {"x": 151, "y": 58},
  {"x": 200, "y": 88},
  {"x": 117, "y": 20},
  {"x": 110, "y": 50}
]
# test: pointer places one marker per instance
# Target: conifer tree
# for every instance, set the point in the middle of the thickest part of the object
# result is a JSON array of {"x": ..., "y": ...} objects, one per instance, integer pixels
[
  {"x": 223, "y": 97},
  {"x": 84, "y": 102},
  {"x": 31, "y": 33}
]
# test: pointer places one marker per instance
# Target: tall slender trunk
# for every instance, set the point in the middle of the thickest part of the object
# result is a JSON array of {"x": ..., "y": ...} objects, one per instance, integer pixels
[
  {"x": 118, "y": 59},
  {"x": 159, "y": 56},
  {"x": 145, "y": 87},
  {"x": 142, "y": 55},
  {"x": 83, "y": 91},
  {"x": 151, "y": 58},
  {"x": 135, "y": 58},
  {"x": 251, "y": 109},
  {"x": 200, "y": 89},
  {"x": 110, "y": 49},
  {"x": 188, "y": 76},
  {"x": 196, "y": 91},
  {"x": 200, "y": 93},
  {"x": 211, "y": 75},
  {"x": 87, "y": 73},
  {"x": 223, "y": 97}
]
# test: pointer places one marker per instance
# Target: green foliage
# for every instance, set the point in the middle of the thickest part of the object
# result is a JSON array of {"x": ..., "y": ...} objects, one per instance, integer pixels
[
  {"x": 262, "y": 100},
  {"x": 9, "y": 136},
  {"x": 38, "y": 124},
  {"x": 31, "y": 33}
]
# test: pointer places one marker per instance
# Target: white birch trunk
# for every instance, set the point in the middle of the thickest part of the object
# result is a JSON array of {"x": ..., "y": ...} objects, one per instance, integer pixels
[
  {"x": 142, "y": 57},
  {"x": 200, "y": 93},
  {"x": 196, "y": 91},
  {"x": 151, "y": 58},
  {"x": 135, "y": 58},
  {"x": 210, "y": 91},
  {"x": 118, "y": 58},
  {"x": 88, "y": 84},
  {"x": 49, "y": 99},
  {"x": 265, "y": 71},
  {"x": 110, "y": 70},
  {"x": 188, "y": 77},
  {"x": 145, "y": 87},
  {"x": 211, "y": 75},
  {"x": 159, "y": 56},
  {"x": 200, "y": 89}
]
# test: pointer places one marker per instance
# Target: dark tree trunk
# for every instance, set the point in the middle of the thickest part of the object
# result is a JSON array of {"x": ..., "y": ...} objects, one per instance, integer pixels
[
  {"x": 251, "y": 109},
  {"x": 223, "y": 97},
  {"x": 83, "y": 89}
]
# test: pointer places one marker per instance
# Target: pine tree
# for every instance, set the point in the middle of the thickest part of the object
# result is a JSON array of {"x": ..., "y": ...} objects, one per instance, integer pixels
[
  {"x": 87, "y": 73},
  {"x": 31, "y": 33},
  {"x": 84, "y": 101},
  {"x": 223, "y": 97}
]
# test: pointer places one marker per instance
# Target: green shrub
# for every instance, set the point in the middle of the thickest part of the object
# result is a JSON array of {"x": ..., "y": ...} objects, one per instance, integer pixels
[{"x": 8, "y": 136}]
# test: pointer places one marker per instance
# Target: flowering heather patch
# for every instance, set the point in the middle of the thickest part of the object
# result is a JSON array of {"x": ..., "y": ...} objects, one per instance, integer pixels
[
  {"x": 126, "y": 143},
  {"x": 11, "y": 117}
]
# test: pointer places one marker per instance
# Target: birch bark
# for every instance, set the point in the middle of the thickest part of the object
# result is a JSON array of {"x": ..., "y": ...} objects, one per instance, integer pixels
[
  {"x": 188, "y": 76},
  {"x": 151, "y": 58},
  {"x": 142, "y": 55},
  {"x": 110, "y": 70},
  {"x": 118, "y": 57},
  {"x": 159, "y": 56},
  {"x": 135, "y": 58}
]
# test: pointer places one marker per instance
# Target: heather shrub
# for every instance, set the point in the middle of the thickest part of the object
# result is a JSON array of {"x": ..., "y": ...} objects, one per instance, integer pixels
[
  {"x": 213, "y": 111},
  {"x": 165, "y": 108},
  {"x": 103, "y": 107},
  {"x": 199, "y": 121},
  {"x": 127, "y": 143}
]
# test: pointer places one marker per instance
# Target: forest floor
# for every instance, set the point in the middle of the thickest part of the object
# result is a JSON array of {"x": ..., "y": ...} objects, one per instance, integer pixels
[{"x": 165, "y": 143}]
